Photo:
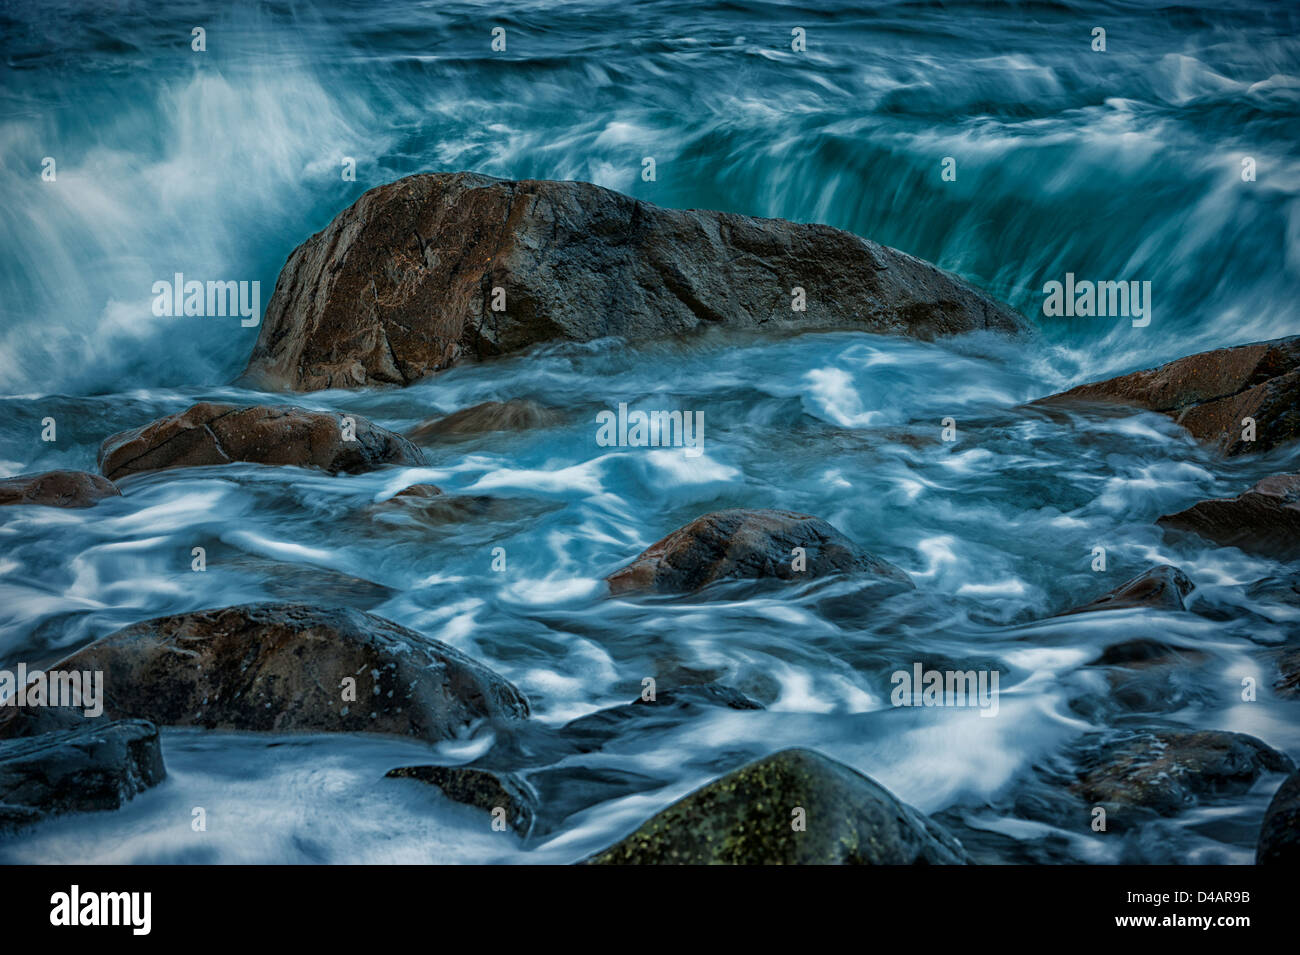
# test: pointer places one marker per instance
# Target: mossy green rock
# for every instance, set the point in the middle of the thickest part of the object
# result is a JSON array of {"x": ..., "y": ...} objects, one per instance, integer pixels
[{"x": 748, "y": 817}]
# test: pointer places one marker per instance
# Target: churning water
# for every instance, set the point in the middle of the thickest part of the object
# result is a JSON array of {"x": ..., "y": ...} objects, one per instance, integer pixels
[{"x": 1121, "y": 165}]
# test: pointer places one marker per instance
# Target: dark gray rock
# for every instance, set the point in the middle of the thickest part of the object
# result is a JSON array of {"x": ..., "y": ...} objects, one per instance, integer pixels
[
  {"x": 480, "y": 788},
  {"x": 1279, "y": 836},
  {"x": 280, "y": 668},
  {"x": 400, "y": 284},
  {"x": 95, "y": 766},
  {"x": 746, "y": 816}
]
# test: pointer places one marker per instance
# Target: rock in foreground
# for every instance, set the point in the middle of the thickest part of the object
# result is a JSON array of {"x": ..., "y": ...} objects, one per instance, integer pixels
[
  {"x": 480, "y": 788},
  {"x": 1165, "y": 771},
  {"x": 747, "y": 818},
  {"x": 285, "y": 667},
  {"x": 1264, "y": 520},
  {"x": 748, "y": 544},
  {"x": 57, "y": 489},
  {"x": 1279, "y": 837},
  {"x": 96, "y": 766},
  {"x": 400, "y": 284},
  {"x": 210, "y": 433},
  {"x": 1210, "y": 393}
]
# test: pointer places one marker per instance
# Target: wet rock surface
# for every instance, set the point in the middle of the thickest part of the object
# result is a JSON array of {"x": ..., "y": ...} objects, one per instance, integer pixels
[
  {"x": 57, "y": 489},
  {"x": 93, "y": 766},
  {"x": 749, "y": 544},
  {"x": 745, "y": 818},
  {"x": 1161, "y": 588},
  {"x": 401, "y": 284},
  {"x": 1264, "y": 520},
  {"x": 515, "y": 415},
  {"x": 479, "y": 788},
  {"x": 209, "y": 434},
  {"x": 1210, "y": 394},
  {"x": 1279, "y": 836},
  {"x": 284, "y": 667}
]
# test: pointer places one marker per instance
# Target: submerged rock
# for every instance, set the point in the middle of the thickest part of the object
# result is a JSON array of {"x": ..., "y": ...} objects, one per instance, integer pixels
[
  {"x": 57, "y": 489},
  {"x": 94, "y": 766},
  {"x": 480, "y": 788},
  {"x": 1210, "y": 393},
  {"x": 401, "y": 284},
  {"x": 1279, "y": 836},
  {"x": 1166, "y": 771},
  {"x": 748, "y": 544},
  {"x": 669, "y": 707},
  {"x": 286, "y": 667},
  {"x": 210, "y": 433},
  {"x": 1160, "y": 588},
  {"x": 1264, "y": 520},
  {"x": 518, "y": 414},
  {"x": 748, "y": 817}
]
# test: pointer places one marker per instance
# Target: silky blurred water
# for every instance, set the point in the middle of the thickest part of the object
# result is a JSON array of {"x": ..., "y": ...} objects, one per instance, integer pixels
[{"x": 1117, "y": 165}]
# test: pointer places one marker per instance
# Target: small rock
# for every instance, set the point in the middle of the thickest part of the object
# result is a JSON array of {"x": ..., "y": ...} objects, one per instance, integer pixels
[
  {"x": 1264, "y": 520},
  {"x": 518, "y": 414},
  {"x": 1165, "y": 771},
  {"x": 210, "y": 433},
  {"x": 96, "y": 766},
  {"x": 57, "y": 489},
  {"x": 748, "y": 544},
  {"x": 1279, "y": 836},
  {"x": 479, "y": 788},
  {"x": 1161, "y": 588},
  {"x": 746, "y": 818},
  {"x": 281, "y": 668},
  {"x": 1210, "y": 393}
]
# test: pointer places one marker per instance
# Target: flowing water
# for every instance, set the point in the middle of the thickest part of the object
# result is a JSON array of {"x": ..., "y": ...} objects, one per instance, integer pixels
[{"x": 1117, "y": 165}]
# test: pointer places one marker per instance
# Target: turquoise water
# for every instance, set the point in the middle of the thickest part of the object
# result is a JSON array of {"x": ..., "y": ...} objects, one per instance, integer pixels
[{"x": 1117, "y": 165}]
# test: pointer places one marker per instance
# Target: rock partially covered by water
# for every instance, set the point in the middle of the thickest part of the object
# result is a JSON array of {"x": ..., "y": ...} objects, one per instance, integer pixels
[
  {"x": 402, "y": 283},
  {"x": 294, "y": 668},
  {"x": 1165, "y": 771},
  {"x": 57, "y": 489},
  {"x": 752, "y": 816},
  {"x": 1160, "y": 588},
  {"x": 210, "y": 433},
  {"x": 1279, "y": 836},
  {"x": 748, "y": 544},
  {"x": 480, "y": 788},
  {"x": 94, "y": 766},
  {"x": 1264, "y": 520},
  {"x": 1210, "y": 393},
  {"x": 518, "y": 414}
]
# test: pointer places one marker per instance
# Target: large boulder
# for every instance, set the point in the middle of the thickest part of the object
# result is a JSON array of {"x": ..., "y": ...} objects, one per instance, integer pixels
[
  {"x": 57, "y": 489},
  {"x": 1210, "y": 394},
  {"x": 1160, "y": 588},
  {"x": 96, "y": 765},
  {"x": 287, "y": 667},
  {"x": 749, "y": 544},
  {"x": 751, "y": 816},
  {"x": 400, "y": 284},
  {"x": 210, "y": 433},
  {"x": 1279, "y": 836},
  {"x": 1165, "y": 771},
  {"x": 1264, "y": 520}
]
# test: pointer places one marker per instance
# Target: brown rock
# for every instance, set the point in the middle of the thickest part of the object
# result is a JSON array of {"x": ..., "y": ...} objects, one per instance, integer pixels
[
  {"x": 749, "y": 544},
  {"x": 1160, "y": 588},
  {"x": 209, "y": 433},
  {"x": 1210, "y": 393},
  {"x": 57, "y": 489},
  {"x": 518, "y": 414},
  {"x": 1264, "y": 520},
  {"x": 281, "y": 667},
  {"x": 399, "y": 285}
]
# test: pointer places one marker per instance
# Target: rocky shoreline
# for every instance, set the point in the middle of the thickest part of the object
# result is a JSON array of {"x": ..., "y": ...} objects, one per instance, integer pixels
[{"x": 404, "y": 284}]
